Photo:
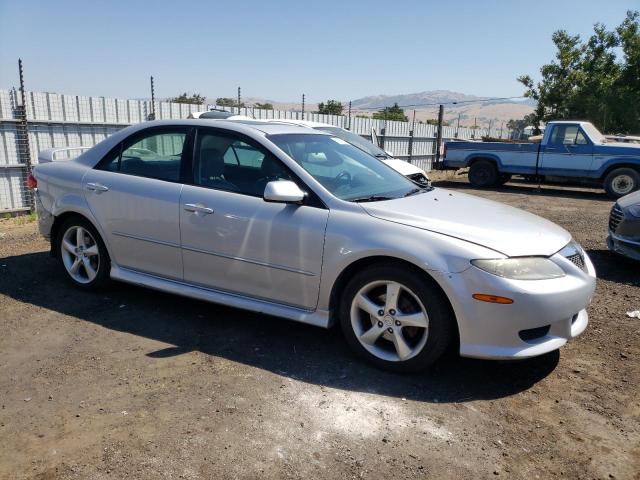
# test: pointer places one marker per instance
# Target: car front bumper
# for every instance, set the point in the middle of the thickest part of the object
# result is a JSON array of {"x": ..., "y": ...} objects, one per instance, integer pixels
[
  {"x": 623, "y": 246},
  {"x": 544, "y": 315}
]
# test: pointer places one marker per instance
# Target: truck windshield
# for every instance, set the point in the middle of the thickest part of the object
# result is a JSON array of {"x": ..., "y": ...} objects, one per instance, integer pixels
[{"x": 344, "y": 170}]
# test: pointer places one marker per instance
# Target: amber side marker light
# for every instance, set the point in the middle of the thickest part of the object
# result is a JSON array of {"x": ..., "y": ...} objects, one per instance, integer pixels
[{"x": 483, "y": 297}]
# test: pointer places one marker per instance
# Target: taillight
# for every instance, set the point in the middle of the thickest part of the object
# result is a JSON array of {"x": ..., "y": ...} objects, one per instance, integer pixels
[{"x": 32, "y": 182}]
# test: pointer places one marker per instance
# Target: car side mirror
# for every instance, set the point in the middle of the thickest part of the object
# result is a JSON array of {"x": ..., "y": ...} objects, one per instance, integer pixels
[{"x": 283, "y": 191}]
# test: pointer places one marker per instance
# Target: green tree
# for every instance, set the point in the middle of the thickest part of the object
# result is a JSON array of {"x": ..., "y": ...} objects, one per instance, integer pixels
[
  {"x": 590, "y": 80},
  {"x": 391, "y": 113},
  {"x": 518, "y": 126},
  {"x": 332, "y": 107},
  {"x": 228, "y": 102},
  {"x": 434, "y": 121},
  {"x": 194, "y": 99},
  {"x": 263, "y": 106}
]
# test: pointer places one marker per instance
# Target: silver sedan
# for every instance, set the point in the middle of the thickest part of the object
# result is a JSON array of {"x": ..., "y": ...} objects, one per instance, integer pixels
[{"x": 297, "y": 223}]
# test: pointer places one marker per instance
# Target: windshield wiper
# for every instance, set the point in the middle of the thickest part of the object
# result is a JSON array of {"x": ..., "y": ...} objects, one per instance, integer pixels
[
  {"x": 371, "y": 198},
  {"x": 418, "y": 190}
]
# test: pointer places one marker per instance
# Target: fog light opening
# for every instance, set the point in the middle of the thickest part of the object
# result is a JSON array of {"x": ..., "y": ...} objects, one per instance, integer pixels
[
  {"x": 484, "y": 297},
  {"x": 534, "y": 333}
]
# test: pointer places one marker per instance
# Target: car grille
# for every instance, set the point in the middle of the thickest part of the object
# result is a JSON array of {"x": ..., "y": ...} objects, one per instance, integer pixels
[
  {"x": 578, "y": 260},
  {"x": 615, "y": 218}
]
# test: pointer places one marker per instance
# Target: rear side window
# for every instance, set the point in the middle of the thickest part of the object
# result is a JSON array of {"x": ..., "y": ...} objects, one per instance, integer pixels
[{"x": 153, "y": 155}]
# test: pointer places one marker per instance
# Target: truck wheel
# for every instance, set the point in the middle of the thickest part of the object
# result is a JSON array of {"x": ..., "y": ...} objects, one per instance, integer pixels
[
  {"x": 483, "y": 173},
  {"x": 621, "y": 181}
]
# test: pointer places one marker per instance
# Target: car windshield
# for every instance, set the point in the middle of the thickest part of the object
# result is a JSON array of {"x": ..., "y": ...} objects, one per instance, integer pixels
[
  {"x": 355, "y": 139},
  {"x": 346, "y": 171}
]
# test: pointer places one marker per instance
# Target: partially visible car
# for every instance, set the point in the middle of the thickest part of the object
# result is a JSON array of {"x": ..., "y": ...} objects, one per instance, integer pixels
[
  {"x": 217, "y": 114},
  {"x": 407, "y": 169},
  {"x": 624, "y": 226}
]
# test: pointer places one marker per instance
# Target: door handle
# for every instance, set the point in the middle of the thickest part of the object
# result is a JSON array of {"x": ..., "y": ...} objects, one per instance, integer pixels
[
  {"x": 198, "y": 208},
  {"x": 97, "y": 187}
]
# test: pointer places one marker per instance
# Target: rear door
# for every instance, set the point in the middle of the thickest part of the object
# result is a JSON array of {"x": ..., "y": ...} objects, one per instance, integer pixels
[
  {"x": 568, "y": 153},
  {"x": 233, "y": 240},
  {"x": 134, "y": 194}
]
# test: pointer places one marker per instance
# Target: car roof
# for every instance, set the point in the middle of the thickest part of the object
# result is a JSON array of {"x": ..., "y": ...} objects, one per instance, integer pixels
[
  {"x": 266, "y": 128},
  {"x": 304, "y": 123}
]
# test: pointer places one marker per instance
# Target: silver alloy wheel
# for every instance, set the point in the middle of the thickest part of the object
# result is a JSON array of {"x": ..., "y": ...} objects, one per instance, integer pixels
[
  {"x": 80, "y": 254},
  {"x": 622, "y": 184},
  {"x": 389, "y": 320}
]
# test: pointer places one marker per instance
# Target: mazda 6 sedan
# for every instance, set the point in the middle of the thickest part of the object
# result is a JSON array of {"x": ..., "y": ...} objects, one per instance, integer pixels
[{"x": 297, "y": 223}]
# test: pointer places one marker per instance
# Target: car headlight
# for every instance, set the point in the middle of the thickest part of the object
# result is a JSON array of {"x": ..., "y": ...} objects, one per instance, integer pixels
[
  {"x": 522, "y": 268},
  {"x": 634, "y": 210}
]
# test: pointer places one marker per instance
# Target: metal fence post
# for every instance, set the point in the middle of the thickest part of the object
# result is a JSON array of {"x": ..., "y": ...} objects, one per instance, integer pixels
[
  {"x": 22, "y": 137},
  {"x": 439, "y": 136},
  {"x": 349, "y": 127},
  {"x": 152, "y": 115},
  {"x": 410, "y": 146},
  {"x": 383, "y": 134}
]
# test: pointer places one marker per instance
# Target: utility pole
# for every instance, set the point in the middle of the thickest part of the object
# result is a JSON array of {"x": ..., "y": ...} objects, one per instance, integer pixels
[
  {"x": 303, "y": 106},
  {"x": 413, "y": 126},
  {"x": 475, "y": 126},
  {"x": 349, "y": 127},
  {"x": 238, "y": 100},
  {"x": 152, "y": 115},
  {"x": 458, "y": 125}
]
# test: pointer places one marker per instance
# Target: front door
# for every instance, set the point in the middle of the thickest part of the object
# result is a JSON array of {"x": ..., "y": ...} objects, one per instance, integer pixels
[
  {"x": 234, "y": 241},
  {"x": 134, "y": 194},
  {"x": 569, "y": 152}
]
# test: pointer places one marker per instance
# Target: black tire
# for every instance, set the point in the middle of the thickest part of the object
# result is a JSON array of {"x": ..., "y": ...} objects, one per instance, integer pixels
[
  {"x": 442, "y": 328},
  {"x": 103, "y": 264},
  {"x": 504, "y": 178},
  {"x": 619, "y": 178},
  {"x": 483, "y": 173}
]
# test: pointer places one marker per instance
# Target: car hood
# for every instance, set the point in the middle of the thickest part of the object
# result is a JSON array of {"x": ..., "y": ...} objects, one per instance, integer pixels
[
  {"x": 628, "y": 200},
  {"x": 510, "y": 231},
  {"x": 405, "y": 168}
]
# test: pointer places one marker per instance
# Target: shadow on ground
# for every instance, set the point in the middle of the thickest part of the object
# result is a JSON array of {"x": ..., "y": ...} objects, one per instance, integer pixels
[
  {"x": 520, "y": 187},
  {"x": 303, "y": 352},
  {"x": 615, "y": 268}
]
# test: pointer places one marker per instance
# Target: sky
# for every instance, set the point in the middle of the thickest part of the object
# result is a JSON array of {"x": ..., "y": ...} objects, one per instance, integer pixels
[{"x": 280, "y": 49}]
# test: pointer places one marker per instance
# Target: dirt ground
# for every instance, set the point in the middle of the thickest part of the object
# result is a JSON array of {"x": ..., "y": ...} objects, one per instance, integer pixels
[{"x": 131, "y": 383}]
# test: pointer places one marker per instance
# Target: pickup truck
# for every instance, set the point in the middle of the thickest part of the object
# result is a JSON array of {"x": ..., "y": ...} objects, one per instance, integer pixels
[{"x": 569, "y": 149}]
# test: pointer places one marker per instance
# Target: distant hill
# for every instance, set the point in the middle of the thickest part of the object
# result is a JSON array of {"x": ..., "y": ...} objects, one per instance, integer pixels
[{"x": 475, "y": 109}]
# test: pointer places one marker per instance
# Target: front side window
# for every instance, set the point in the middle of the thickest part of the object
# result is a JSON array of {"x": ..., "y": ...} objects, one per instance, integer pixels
[
  {"x": 225, "y": 162},
  {"x": 346, "y": 171},
  {"x": 155, "y": 155}
]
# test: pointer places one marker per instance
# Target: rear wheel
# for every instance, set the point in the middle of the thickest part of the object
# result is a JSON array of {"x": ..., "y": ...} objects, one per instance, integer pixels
[
  {"x": 83, "y": 254},
  {"x": 395, "y": 319},
  {"x": 622, "y": 181},
  {"x": 483, "y": 173}
]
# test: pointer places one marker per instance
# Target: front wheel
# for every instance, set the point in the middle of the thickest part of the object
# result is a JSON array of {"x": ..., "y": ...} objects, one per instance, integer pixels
[
  {"x": 395, "y": 318},
  {"x": 621, "y": 182},
  {"x": 83, "y": 255}
]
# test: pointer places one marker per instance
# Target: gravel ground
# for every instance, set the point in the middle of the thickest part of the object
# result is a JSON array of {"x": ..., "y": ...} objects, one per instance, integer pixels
[{"x": 131, "y": 383}]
